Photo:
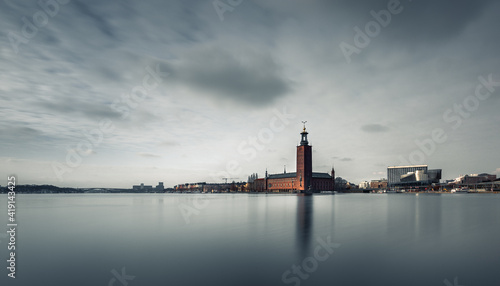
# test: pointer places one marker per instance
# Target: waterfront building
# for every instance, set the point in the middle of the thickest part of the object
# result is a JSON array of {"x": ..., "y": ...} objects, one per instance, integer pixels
[
  {"x": 160, "y": 187},
  {"x": 416, "y": 175},
  {"x": 364, "y": 185},
  {"x": 303, "y": 179},
  {"x": 474, "y": 179},
  {"x": 378, "y": 184},
  {"x": 190, "y": 187},
  {"x": 142, "y": 187},
  {"x": 203, "y": 187}
]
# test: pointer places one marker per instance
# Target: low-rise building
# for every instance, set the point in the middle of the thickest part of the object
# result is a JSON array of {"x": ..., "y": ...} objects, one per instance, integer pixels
[
  {"x": 142, "y": 187},
  {"x": 364, "y": 185},
  {"x": 474, "y": 179},
  {"x": 378, "y": 184}
]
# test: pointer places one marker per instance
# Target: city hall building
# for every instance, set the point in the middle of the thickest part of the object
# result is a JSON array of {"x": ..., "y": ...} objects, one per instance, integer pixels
[{"x": 303, "y": 179}]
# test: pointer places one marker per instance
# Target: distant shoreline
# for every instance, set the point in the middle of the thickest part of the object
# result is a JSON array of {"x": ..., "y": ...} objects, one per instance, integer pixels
[{"x": 127, "y": 191}]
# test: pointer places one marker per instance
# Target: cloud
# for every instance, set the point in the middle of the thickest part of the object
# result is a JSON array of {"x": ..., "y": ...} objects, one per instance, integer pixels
[
  {"x": 418, "y": 22},
  {"x": 85, "y": 152},
  {"x": 168, "y": 144},
  {"x": 100, "y": 22},
  {"x": 248, "y": 77},
  {"x": 497, "y": 171},
  {"x": 148, "y": 155},
  {"x": 15, "y": 135},
  {"x": 345, "y": 159},
  {"x": 72, "y": 106},
  {"x": 374, "y": 128}
]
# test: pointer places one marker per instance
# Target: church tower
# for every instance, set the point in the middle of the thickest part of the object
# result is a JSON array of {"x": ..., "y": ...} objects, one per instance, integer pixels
[
  {"x": 333, "y": 178},
  {"x": 304, "y": 162}
]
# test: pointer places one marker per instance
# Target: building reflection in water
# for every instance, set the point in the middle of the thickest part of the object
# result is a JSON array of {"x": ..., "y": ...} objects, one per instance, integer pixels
[{"x": 304, "y": 224}]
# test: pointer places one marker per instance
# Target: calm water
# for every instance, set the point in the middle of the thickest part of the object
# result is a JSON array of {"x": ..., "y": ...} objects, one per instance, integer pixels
[{"x": 174, "y": 239}]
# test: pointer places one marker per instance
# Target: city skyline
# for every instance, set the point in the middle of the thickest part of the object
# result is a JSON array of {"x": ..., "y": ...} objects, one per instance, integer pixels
[{"x": 112, "y": 94}]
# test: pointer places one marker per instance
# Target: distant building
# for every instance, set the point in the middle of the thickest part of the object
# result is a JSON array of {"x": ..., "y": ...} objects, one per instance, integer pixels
[
  {"x": 340, "y": 184},
  {"x": 364, "y": 185},
  {"x": 142, "y": 187},
  {"x": 412, "y": 175},
  {"x": 203, "y": 187},
  {"x": 301, "y": 180},
  {"x": 378, "y": 184},
  {"x": 351, "y": 187},
  {"x": 474, "y": 179},
  {"x": 160, "y": 187},
  {"x": 190, "y": 187}
]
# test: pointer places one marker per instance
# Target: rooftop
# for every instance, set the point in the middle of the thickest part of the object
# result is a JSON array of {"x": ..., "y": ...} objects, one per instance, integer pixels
[
  {"x": 294, "y": 174},
  {"x": 413, "y": 166},
  {"x": 281, "y": 176}
]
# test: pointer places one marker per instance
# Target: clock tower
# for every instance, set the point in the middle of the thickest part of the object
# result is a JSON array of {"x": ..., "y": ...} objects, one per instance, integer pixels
[{"x": 304, "y": 162}]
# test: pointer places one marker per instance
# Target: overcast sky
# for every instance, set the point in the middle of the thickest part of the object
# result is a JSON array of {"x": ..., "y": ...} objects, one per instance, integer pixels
[{"x": 178, "y": 89}]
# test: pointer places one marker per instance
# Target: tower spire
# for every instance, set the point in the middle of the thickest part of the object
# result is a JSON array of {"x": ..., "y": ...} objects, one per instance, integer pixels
[{"x": 303, "y": 141}]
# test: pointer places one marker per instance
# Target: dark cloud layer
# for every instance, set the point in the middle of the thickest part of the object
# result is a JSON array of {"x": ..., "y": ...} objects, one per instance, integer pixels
[
  {"x": 374, "y": 128},
  {"x": 18, "y": 134},
  {"x": 247, "y": 77},
  {"x": 95, "y": 19},
  {"x": 419, "y": 21},
  {"x": 68, "y": 106}
]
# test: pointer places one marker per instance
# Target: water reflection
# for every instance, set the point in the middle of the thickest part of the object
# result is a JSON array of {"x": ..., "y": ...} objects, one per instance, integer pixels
[
  {"x": 255, "y": 239},
  {"x": 413, "y": 218},
  {"x": 428, "y": 216},
  {"x": 304, "y": 224}
]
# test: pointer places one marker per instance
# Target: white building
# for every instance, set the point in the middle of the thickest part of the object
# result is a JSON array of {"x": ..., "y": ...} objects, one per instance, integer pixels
[{"x": 364, "y": 185}]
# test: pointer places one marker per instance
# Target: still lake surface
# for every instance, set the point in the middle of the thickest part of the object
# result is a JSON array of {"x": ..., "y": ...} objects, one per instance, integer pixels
[{"x": 246, "y": 239}]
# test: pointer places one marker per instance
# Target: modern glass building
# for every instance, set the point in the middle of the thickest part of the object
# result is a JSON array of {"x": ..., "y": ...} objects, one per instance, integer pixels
[{"x": 394, "y": 173}]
